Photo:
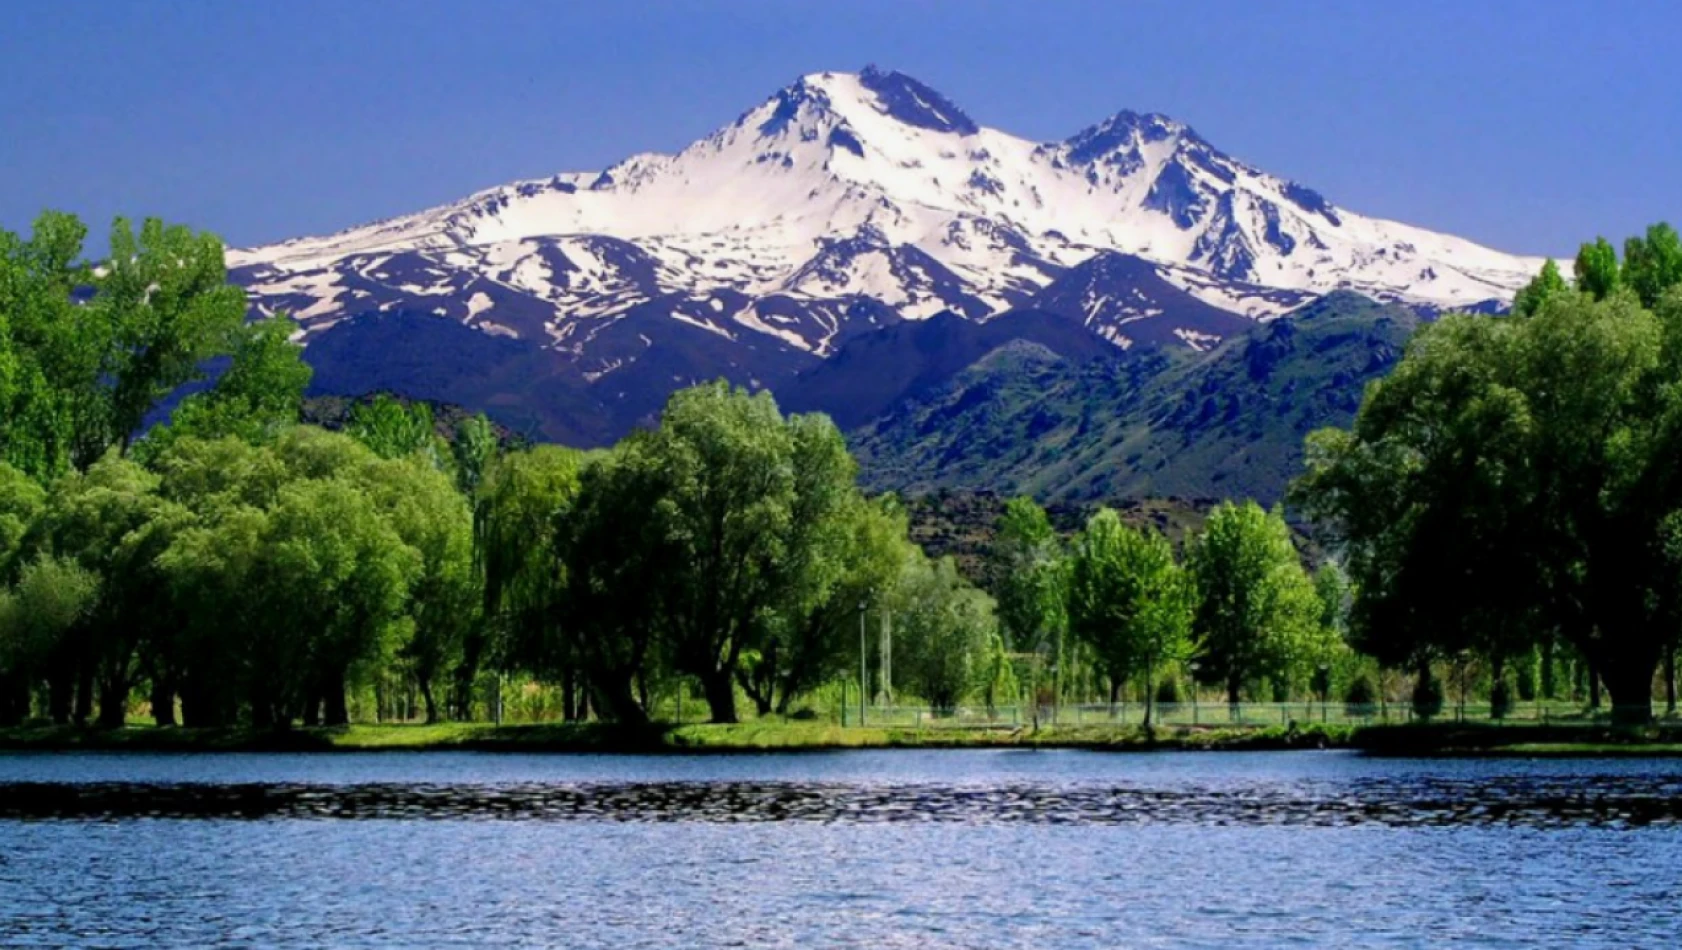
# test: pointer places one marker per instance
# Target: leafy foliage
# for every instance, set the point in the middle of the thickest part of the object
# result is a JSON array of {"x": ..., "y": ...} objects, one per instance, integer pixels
[
  {"x": 1129, "y": 600},
  {"x": 1513, "y": 480},
  {"x": 1257, "y": 612}
]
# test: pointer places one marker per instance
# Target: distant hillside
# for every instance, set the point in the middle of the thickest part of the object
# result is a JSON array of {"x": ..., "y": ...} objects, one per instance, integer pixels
[
  {"x": 963, "y": 523},
  {"x": 874, "y": 372},
  {"x": 1227, "y": 423},
  {"x": 333, "y": 412}
]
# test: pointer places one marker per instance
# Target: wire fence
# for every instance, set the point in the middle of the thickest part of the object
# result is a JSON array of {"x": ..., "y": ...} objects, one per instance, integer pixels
[{"x": 1209, "y": 714}]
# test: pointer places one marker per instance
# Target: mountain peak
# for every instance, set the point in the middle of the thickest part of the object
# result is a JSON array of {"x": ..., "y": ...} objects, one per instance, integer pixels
[
  {"x": 913, "y": 103},
  {"x": 850, "y": 200}
]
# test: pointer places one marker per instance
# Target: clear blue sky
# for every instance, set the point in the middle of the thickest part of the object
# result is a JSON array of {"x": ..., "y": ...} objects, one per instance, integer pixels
[{"x": 1527, "y": 125}]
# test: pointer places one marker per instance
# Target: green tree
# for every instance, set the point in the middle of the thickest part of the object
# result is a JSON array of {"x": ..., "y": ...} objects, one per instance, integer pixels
[
  {"x": 341, "y": 578},
  {"x": 607, "y": 574},
  {"x": 422, "y": 505},
  {"x": 812, "y": 635},
  {"x": 259, "y": 394},
  {"x": 393, "y": 429},
  {"x": 474, "y": 450},
  {"x": 49, "y": 348},
  {"x": 90, "y": 352},
  {"x": 1255, "y": 604},
  {"x": 1546, "y": 283},
  {"x": 21, "y": 500},
  {"x": 739, "y": 515},
  {"x": 520, "y": 505},
  {"x": 234, "y": 638},
  {"x": 942, "y": 630},
  {"x": 113, "y": 522},
  {"x": 841, "y": 552},
  {"x": 1512, "y": 478},
  {"x": 1653, "y": 264},
  {"x": 1129, "y": 601},
  {"x": 1596, "y": 269},
  {"x": 52, "y": 597}
]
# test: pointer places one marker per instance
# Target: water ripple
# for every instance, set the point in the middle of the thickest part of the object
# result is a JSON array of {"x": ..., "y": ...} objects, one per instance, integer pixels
[{"x": 1613, "y": 801}]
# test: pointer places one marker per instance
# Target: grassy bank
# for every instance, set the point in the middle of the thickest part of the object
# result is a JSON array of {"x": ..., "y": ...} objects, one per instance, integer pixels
[
  {"x": 1442, "y": 739},
  {"x": 760, "y": 736}
]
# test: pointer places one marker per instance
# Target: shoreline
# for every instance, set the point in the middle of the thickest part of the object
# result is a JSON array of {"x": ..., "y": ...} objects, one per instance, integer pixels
[{"x": 1438, "y": 740}]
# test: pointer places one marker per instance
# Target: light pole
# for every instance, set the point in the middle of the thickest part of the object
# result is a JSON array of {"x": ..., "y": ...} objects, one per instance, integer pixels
[
  {"x": 864, "y": 684},
  {"x": 886, "y": 674}
]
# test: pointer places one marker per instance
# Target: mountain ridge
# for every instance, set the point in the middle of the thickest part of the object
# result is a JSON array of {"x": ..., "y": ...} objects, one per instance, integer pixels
[{"x": 871, "y": 189}]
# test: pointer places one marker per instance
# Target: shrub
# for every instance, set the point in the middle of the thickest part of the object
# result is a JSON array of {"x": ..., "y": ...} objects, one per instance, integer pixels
[
  {"x": 1427, "y": 695},
  {"x": 1168, "y": 691},
  {"x": 1500, "y": 700},
  {"x": 1360, "y": 696}
]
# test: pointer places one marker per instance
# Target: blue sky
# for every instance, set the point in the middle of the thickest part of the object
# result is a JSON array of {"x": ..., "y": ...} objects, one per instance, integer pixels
[{"x": 1527, "y": 125}]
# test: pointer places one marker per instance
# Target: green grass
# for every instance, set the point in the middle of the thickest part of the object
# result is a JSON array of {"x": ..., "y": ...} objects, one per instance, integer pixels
[
  {"x": 1534, "y": 740},
  {"x": 756, "y": 736}
]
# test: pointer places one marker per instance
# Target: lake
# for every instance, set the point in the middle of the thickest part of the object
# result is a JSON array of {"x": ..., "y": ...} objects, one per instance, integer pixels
[{"x": 984, "y": 849}]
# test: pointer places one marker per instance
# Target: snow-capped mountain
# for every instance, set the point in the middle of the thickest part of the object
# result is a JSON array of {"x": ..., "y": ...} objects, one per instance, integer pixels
[{"x": 847, "y": 202}]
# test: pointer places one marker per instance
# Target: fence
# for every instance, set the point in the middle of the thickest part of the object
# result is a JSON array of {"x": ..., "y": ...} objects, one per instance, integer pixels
[{"x": 1207, "y": 714}]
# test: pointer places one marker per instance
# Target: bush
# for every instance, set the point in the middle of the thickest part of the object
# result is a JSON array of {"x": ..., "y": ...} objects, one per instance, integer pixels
[
  {"x": 1500, "y": 700},
  {"x": 1530, "y": 676},
  {"x": 1360, "y": 696},
  {"x": 1427, "y": 695},
  {"x": 1168, "y": 691}
]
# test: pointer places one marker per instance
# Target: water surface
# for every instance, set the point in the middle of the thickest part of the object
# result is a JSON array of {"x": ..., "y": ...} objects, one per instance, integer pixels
[{"x": 995, "y": 848}]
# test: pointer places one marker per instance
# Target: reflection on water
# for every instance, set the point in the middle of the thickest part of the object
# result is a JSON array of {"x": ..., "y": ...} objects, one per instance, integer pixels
[
  {"x": 878, "y": 850},
  {"x": 1612, "y": 801}
]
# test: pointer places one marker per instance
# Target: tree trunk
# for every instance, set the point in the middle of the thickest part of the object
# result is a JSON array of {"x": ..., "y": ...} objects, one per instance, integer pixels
[
  {"x": 431, "y": 703},
  {"x": 1550, "y": 684},
  {"x": 1150, "y": 693},
  {"x": 312, "y": 709},
  {"x": 84, "y": 694},
  {"x": 337, "y": 712},
  {"x": 113, "y": 702},
  {"x": 1631, "y": 686},
  {"x": 262, "y": 706},
  {"x": 163, "y": 700},
  {"x": 14, "y": 699},
  {"x": 616, "y": 698},
  {"x": 60, "y": 695},
  {"x": 1233, "y": 685},
  {"x": 720, "y": 691},
  {"x": 467, "y": 671},
  {"x": 1594, "y": 686},
  {"x": 1115, "y": 690}
]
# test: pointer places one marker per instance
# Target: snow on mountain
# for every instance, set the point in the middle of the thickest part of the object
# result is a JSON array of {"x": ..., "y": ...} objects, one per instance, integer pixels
[{"x": 848, "y": 202}]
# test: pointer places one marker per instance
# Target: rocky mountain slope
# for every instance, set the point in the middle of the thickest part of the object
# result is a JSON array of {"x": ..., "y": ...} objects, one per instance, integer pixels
[{"x": 1227, "y": 423}]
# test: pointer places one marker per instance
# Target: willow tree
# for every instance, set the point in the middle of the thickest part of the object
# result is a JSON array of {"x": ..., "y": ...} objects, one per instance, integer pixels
[
  {"x": 520, "y": 501},
  {"x": 422, "y": 505},
  {"x": 113, "y": 522},
  {"x": 742, "y": 496},
  {"x": 604, "y": 584},
  {"x": 339, "y": 577},
  {"x": 51, "y": 598},
  {"x": 1513, "y": 478}
]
